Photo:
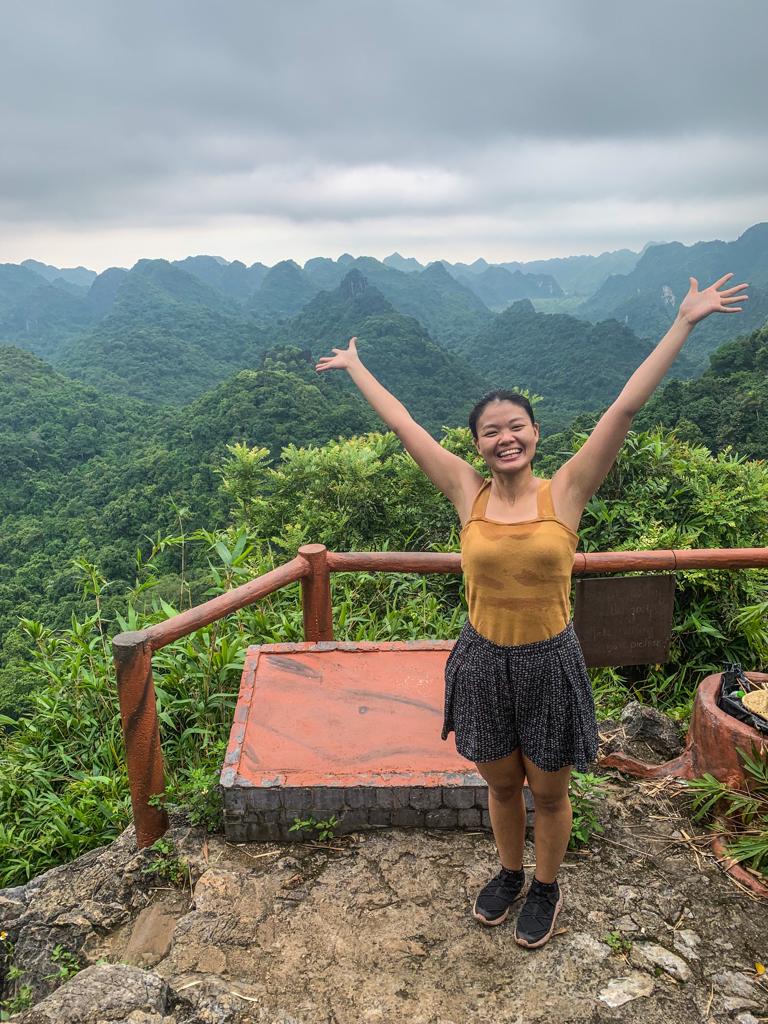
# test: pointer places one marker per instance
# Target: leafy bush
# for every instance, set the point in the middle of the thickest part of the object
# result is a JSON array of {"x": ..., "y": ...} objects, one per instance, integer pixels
[{"x": 741, "y": 816}]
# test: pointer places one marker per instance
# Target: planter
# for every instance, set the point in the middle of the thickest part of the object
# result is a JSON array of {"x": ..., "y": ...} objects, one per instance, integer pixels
[{"x": 712, "y": 745}]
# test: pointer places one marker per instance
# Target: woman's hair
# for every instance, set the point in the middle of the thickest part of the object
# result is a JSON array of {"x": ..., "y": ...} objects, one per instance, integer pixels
[{"x": 498, "y": 396}]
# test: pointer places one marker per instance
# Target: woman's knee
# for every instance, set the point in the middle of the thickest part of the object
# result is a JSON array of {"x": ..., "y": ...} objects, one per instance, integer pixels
[
  {"x": 549, "y": 789},
  {"x": 504, "y": 777},
  {"x": 551, "y": 803}
]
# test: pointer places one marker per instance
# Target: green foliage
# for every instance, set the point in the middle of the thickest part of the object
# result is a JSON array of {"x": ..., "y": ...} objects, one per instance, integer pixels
[
  {"x": 740, "y": 815},
  {"x": 10, "y": 972},
  {"x": 16, "y": 1003},
  {"x": 586, "y": 791},
  {"x": 726, "y": 405},
  {"x": 197, "y": 793},
  {"x": 325, "y": 828},
  {"x": 167, "y": 864},
  {"x": 618, "y": 943},
  {"x": 575, "y": 365},
  {"x": 67, "y": 965},
  {"x": 348, "y": 494}
]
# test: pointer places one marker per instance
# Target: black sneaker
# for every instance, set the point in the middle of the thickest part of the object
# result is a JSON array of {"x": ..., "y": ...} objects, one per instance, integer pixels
[
  {"x": 497, "y": 896},
  {"x": 537, "y": 918}
]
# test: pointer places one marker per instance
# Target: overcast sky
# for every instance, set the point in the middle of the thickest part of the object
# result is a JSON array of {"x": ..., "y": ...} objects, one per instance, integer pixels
[{"x": 440, "y": 128}]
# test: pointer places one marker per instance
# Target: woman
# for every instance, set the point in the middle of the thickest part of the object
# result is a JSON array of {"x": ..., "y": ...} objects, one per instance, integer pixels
[{"x": 517, "y": 692}]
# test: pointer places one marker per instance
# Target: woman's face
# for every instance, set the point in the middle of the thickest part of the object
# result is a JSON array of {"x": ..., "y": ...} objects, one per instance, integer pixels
[{"x": 506, "y": 438}]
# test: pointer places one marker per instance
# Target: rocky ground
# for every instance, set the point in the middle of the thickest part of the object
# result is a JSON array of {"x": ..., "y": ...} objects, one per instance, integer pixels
[{"x": 377, "y": 927}]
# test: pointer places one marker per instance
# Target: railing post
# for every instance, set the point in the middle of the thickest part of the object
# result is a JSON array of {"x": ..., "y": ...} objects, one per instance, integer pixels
[
  {"x": 138, "y": 711},
  {"x": 316, "y": 594}
]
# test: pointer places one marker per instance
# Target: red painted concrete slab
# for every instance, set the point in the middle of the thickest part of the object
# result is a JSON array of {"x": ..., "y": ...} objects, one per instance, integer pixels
[{"x": 343, "y": 714}]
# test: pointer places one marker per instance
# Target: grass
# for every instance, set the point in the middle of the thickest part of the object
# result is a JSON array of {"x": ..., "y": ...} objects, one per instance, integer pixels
[{"x": 739, "y": 815}]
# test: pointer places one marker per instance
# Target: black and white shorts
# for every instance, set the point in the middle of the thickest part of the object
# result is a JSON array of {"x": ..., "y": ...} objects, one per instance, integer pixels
[{"x": 536, "y": 697}]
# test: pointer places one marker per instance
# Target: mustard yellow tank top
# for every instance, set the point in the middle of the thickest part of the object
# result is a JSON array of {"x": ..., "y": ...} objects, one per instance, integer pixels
[{"x": 518, "y": 575}]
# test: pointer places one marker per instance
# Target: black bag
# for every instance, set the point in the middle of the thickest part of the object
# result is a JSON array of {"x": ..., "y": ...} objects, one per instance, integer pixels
[{"x": 733, "y": 679}]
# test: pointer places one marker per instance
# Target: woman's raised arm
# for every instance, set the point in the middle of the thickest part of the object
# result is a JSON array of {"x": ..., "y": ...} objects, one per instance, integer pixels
[
  {"x": 452, "y": 475},
  {"x": 577, "y": 480}
]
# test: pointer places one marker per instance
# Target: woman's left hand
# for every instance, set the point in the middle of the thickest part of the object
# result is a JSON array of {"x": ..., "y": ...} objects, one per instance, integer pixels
[{"x": 697, "y": 305}]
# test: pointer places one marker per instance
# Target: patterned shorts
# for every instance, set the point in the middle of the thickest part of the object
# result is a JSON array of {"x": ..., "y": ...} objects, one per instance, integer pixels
[{"x": 535, "y": 696}]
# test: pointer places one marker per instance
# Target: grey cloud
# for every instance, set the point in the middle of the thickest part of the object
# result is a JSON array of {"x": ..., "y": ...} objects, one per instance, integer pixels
[{"x": 153, "y": 112}]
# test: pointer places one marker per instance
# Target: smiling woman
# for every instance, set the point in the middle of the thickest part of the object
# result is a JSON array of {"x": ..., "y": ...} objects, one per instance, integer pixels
[{"x": 517, "y": 693}]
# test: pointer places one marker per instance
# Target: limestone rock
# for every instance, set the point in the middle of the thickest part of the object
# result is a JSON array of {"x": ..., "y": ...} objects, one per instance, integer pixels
[
  {"x": 212, "y": 1001},
  {"x": 731, "y": 983},
  {"x": 649, "y": 726},
  {"x": 685, "y": 941},
  {"x": 588, "y": 949},
  {"x": 107, "y": 992},
  {"x": 151, "y": 936},
  {"x": 622, "y": 990},
  {"x": 650, "y": 954},
  {"x": 69, "y": 904},
  {"x": 626, "y": 924}
]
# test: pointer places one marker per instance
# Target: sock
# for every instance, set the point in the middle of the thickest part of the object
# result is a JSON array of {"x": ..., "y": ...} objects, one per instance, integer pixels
[
  {"x": 517, "y": 872},
  {"x": 546, "y": 886}
]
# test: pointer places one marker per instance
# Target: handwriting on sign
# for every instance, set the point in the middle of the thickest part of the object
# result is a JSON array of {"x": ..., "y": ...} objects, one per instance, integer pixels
[{"x": 625, "y": 620}]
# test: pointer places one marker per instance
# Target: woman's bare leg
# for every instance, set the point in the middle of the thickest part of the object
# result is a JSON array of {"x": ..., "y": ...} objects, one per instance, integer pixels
[
  {"x": 506, "y": 806},
  {"x": 553, "y": 817}
]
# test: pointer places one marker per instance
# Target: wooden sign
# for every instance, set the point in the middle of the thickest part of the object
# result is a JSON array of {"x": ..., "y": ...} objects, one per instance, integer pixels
[{"x": 624, "y": 620}]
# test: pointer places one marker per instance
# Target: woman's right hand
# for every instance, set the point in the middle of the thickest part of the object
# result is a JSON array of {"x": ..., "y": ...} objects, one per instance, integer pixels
[{"x": 342, "y": 359}]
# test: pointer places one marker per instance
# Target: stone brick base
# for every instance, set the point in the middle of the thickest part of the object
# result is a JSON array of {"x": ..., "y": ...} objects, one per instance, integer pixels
[{"x": 253, "y": 814}]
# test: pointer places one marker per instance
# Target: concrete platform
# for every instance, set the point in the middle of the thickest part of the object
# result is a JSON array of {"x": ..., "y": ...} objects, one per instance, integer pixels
[{"x": 345, "y": 729}]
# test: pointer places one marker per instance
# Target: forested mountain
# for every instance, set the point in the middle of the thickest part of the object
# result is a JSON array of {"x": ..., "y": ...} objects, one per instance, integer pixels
[
  {"x": 284, "y": 290},
  {"x": 234, "y": 280},
  {"x": 168, "y": 332},
  {"x": 405, "y": 263},
  {"x": 497, "y": 287},
  {"x": 727, "y": 405},
  {"x": 104, "y": 291},
  {"x": 36, "y": 314},
  {"x": 80, "y": 277},
  {"x": 437, "y": 386},
  {"x": 575, "y": 275},
  {"x": 580, "y": 275},
  {"x": 87, "y": 476},
  {"x": 447, "y": 308},
  {"x": 167, "y": 338},
  {"x": 646, "y": 299},
  {"x": 574, "y": 365}
]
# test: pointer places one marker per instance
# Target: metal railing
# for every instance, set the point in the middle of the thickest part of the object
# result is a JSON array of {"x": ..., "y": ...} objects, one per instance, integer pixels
[{"x": 313, "y": 567}]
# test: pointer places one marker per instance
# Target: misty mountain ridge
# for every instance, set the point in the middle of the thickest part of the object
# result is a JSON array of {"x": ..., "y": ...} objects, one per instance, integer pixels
[{"x": 646, "y": 299}]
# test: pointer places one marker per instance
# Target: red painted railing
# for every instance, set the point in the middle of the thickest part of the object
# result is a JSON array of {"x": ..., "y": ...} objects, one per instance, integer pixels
[{"x": 313, "y": 567}]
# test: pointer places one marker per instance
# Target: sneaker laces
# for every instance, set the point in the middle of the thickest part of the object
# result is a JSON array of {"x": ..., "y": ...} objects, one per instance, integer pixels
[
  {"x": 504, "y": 878},
  {"x": 500, "y": 885}
]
